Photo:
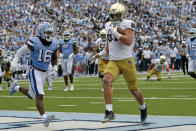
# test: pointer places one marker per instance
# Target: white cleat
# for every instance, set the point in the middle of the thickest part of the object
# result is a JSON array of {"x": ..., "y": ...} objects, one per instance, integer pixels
[
  {"x": 66, "y": 89},
  {"x": 72, "y": 88},
  {"x": 48, "y": 119},
  {"x": 50, "y": 88}
]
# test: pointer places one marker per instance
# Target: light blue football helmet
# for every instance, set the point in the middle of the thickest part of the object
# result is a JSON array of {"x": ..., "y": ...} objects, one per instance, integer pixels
[
  {"x": 192, "y": 33},
  {"x": 45, "y": 31},
  {"x": 66, "y": 35}
]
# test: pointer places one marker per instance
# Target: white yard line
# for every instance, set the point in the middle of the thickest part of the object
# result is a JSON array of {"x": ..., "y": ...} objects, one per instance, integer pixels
[
  {"x": 125, "y": 88},
  {"x": 67, "y": 105},
  {"x": 58, "y": 97}
]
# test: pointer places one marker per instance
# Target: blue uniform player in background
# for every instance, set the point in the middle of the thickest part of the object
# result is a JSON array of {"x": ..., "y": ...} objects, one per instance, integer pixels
[
  {"x": 68, "y": 48},
  {"x": 43, "y": 50},
  {"x": 191, "y": 42}
]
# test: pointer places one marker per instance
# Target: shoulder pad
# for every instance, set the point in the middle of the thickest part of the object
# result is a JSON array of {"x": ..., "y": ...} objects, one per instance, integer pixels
[
  {"x": 107, "y": 25},
  {"x": 128, "y": 24}
]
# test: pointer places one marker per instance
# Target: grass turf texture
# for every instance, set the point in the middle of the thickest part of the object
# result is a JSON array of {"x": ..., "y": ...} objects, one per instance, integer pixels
[{"x": 174, "y": 97}]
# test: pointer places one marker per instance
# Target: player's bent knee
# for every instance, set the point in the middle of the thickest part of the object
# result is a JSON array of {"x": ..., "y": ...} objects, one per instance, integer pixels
[{"x": 107, "y": 79}]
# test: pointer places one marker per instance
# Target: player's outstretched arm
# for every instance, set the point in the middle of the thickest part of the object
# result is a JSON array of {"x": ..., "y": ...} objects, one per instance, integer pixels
[{"x": 23, "y": 50}]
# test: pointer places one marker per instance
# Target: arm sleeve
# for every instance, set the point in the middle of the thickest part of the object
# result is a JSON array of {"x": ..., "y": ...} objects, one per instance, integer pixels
[{"x": 23, "y": 50}]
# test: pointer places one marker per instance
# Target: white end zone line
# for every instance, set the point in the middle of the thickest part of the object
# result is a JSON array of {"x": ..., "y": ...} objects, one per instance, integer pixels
[{"x": 31, "y": 121}]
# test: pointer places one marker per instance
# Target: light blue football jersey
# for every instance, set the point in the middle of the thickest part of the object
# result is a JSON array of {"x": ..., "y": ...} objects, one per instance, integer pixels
[
  {"x": 67, "y": 47},
  {"x": 192, "y": 48},
  {"x": 41, "y": 55}
]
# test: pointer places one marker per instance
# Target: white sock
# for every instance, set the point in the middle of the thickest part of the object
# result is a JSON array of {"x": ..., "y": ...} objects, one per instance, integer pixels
[
  {"x": 109, "y": 107},
  {"x": 67, "y": 87},
  {"x": 0, "y": 85},
  {"x": 44, "y": 116},
  {"x": 17, "y": 88},
  {"x": 142, "y": 107},
  {"x": 72, "y": 85}
]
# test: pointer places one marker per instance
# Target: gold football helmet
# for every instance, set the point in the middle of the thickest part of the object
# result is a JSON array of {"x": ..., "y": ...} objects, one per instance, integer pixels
[
  {"x": 117, "y": 13},
  {"x": 162, "y": 59},
  {"x": 102, "y": 34}
]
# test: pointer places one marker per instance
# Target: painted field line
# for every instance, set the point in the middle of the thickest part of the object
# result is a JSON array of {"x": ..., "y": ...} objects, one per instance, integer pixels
[
  {"x": 125, "y": 88},
  {"x": 96, "y": 102},
  {"x": 126, "y": 100},
  {"x": 67, "y": 105},
  {"x": 58, "y": 97},
  {"x": 31, "y": 108}
]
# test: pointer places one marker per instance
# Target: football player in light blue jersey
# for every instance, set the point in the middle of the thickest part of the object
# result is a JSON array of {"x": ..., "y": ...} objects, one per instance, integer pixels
[
  {"x": 191, "y": 42},
  {"x": 43, "y": 49},
  {"x": 68, "y": 48}
]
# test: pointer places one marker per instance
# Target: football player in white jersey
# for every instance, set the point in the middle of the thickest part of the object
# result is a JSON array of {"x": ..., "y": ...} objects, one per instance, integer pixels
[
  {"x": 157, "y": 66},
  {"x": 103, "y": 60},
  {"x": 120, "y": 36},
  {"x": 191, "y": 42}
]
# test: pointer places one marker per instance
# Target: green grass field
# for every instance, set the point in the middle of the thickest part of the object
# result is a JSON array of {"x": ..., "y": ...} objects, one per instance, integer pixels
[{"x": 176, "y": 97}]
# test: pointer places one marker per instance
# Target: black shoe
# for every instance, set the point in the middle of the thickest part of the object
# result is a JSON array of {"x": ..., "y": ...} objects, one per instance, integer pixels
[
  {"x": 143, "y": 115},
  {"x": 109, "y": 115}
]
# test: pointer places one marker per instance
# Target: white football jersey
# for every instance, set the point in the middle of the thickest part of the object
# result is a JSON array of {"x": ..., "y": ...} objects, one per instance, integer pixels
[
  {"x": 158, "y": 66},
  {"x": 101, "y": 44},
  {"x": 117, "y": 49}
]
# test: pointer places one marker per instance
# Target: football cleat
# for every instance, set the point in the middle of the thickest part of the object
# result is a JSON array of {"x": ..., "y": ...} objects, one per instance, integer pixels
[
  {"x": 66, "y": 89},
  {"x": 109, "y": 115},
  {"x": 12, "y": 89},
  {"x": 48, "y": 119},
  {"x": 49, "y": 88},
  {"x": 143, "y": 115},
  {"x": 72, "y": 88}
]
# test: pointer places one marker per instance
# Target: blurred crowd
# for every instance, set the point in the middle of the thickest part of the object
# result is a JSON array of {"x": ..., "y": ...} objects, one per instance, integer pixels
[{"x": 162, "y": 27}]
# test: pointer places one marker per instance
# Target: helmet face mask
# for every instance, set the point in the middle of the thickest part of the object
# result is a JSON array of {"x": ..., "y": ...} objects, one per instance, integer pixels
[
  {"x": 49, "y": 35},
  {"x": 45, "y": 31},
  {"x": 117, "y": 13}
]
